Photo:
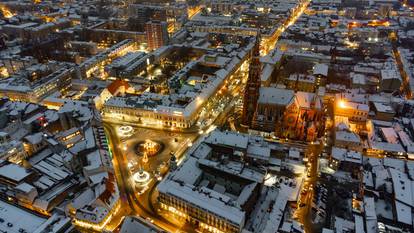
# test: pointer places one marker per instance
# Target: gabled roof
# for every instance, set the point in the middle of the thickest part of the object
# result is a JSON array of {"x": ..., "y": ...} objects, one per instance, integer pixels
[{"x": 115, "y": 85}]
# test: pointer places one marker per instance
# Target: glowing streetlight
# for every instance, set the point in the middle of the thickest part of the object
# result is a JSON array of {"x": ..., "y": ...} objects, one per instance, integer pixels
[{"x": 342, "y": 104}]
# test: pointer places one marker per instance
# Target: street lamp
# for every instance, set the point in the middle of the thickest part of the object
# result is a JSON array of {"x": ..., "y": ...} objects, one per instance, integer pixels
[{"x": 342, "y": 104}]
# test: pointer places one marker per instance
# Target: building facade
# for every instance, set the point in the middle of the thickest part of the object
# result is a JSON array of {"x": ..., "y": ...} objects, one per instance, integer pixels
[
  {"x": 36, "y": 91},
  {"x": 157, "y": 34}
]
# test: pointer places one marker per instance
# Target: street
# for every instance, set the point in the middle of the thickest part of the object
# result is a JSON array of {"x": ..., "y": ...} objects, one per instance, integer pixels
[{"x": 304, "y": 209}]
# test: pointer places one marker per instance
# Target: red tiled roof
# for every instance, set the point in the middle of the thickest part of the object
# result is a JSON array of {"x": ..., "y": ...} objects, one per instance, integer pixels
[{"x": 115, "y": 85}]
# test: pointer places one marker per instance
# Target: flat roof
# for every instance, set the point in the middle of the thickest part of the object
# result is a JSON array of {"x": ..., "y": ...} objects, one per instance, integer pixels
[
  {"x": 14, "y": 172},
  {"x": 231, "y": 139},
  {"x": 16, "y": 218}
]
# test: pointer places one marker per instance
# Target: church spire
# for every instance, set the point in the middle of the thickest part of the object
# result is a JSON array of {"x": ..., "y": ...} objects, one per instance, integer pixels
[{"x": 251, "y": 92}]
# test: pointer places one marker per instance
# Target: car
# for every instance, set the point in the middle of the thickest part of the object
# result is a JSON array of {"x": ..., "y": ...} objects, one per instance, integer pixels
[{"x": 158, "y": 176}]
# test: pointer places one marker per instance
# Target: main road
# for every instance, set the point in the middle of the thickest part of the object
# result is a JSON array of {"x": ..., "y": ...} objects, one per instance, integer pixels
[
  {"x": 269, "y": 44},
  {"x": 303, "y": 212}
]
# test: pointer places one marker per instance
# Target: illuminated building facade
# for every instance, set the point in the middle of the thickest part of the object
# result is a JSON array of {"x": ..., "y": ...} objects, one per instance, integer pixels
[
  {"x": 93, "y": 63},
  {"x": 194, "y": 27},
  {"x": 11, "y": 66},
  {"x": 144, "y": 112},
  {"x": 35, "y": 92},
  {"x": 157, "y": 34},
  {"x": 197, "y": 214},
  {"x": 355, "y": 112},
  {"x": 303, "y": 119},
  {"x": 104, "y": 205},
  {"x": 175, "y": 14},
  {"x": 13, "y": 151}
]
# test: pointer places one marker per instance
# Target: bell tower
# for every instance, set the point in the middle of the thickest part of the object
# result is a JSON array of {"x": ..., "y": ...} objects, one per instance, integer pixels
[{"x": 251, "y": 92}]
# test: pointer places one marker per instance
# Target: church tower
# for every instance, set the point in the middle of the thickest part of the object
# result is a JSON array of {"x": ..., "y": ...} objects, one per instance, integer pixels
[{"x": 251, "y": 91}]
